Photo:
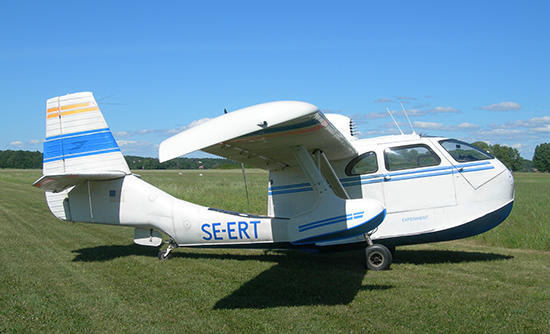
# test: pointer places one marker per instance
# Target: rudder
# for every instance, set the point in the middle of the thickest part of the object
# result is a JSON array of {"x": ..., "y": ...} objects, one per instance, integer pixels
[{"x": 78, "y": 139}]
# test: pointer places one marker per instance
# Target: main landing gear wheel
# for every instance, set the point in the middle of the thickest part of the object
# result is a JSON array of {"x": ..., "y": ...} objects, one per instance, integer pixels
[
  {"x": 164, "y": 255},
  {"x": 377, "y": 257}
]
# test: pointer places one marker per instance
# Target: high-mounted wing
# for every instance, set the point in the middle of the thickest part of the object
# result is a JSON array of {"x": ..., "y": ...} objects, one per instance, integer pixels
[{"x": 262, "y": 135}]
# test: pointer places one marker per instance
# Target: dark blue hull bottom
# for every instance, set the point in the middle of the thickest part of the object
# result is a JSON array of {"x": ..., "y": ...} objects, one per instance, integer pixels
[{"x": 476, "y": 226}]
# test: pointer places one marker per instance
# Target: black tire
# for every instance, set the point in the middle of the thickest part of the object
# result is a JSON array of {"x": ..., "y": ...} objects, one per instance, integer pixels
[
  {"x": 377, "y": 257},
  {"x": 162, "y": 255}
]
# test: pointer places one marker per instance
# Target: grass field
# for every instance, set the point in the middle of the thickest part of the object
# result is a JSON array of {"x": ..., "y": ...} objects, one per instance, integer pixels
[
  {"x": 66, "y": 278},
  {"x": 528, "y": 226}
]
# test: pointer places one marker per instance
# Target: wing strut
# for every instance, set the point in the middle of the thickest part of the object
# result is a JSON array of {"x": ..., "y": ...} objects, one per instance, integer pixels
[
  {"x": 330, "y": 175},
  {"x": 315, "y": 170},
  {"x": 332, "y": 217},
  {"x": 311, "y": 171}
]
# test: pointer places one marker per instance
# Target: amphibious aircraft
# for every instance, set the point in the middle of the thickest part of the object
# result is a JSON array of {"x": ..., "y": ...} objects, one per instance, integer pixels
[{"x": 328, "y": 190}]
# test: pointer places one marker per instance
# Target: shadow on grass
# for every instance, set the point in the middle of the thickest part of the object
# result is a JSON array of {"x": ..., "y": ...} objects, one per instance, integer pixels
[
  {"x": 106, "y": 253},
  {"x": 444, "y": 256},
  {"x": 301, "y": 279},
  {"x": 297, "y": 278}
]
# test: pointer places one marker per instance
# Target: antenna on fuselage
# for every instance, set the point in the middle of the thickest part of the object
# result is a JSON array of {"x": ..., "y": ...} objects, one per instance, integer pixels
[
  {"x": 394, "y": 120},
  {"x": 405, "y": 111}
]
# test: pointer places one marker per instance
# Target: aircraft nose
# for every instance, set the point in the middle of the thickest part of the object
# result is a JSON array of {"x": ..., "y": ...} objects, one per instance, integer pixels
[{"x": 512, "y": 184}]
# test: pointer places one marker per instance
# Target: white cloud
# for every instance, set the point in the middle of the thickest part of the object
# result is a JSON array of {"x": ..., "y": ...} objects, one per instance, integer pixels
[
  {"x": 17, "y": 144},
  {"x": 502, "y": 106},
  {"x": 534, "y": 122},
  {"x": 405, "y": 98},
  {"x": 416, "y": 112},
  {"x": 500, "y": 132},
  {"x": 539, "y": 120},
  {"x": 375, "y": 115},
  {"x": 32, "y": 144},
  {"x": 428, "y": 125},
  {"x": 122, "y": 134},
  {"x": 542, "y": 129},
  {"x": 402, "y": 99},
  {"x": 159, "y": 132},
  {"x": 443, "y": 110},
  {"x": 197, "y": 122},
  {"x": 123, "y": 143},
  {"x": 432, "y": 111},
  {"x": 466, "y": 126},
  {"x": 326, "y": 111},
  {"x": 518, "y": 146},
  {"x": 142, "y": 147},
  {"x": 145, "y": 132},
  {"x": 425, "y": 105}
]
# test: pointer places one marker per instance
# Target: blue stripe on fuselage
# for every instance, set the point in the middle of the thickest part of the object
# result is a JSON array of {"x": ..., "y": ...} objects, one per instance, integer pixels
[{"x": 393, "y": 176}]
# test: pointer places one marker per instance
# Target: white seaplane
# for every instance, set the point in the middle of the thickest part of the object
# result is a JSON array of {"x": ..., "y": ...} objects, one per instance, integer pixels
[{"x": 328, "y": 190}]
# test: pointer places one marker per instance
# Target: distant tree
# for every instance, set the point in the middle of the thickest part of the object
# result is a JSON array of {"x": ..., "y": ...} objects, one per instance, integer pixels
[
  {"x": 226, "y": 165},
  {"x": 482, "y": 145},
  {"x": 527, "y": 166},
  {"x": 20, "y": 159},
  {"x": 541, "y": 158},
  {"x": 135, "y": 162},
  {"x": 509, "y": 156}
]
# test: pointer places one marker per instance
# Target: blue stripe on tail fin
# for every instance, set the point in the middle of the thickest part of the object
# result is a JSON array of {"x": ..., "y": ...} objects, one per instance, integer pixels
[
  {"x": 78, "y": 139},
  {"x": 79, "y": 144}
]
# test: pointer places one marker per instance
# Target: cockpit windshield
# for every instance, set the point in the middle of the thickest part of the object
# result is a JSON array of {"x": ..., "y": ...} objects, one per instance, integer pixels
[{"x": 464, "y": 152}]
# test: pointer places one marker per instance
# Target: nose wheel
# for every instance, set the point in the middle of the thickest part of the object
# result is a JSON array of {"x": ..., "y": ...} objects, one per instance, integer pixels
[{"x": 377, "y": 257}]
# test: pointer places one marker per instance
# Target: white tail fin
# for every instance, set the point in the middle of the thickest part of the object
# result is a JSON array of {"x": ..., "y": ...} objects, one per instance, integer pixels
[
  {"x": 79, "y": 147},
  {"x": 78, "y": 139}
]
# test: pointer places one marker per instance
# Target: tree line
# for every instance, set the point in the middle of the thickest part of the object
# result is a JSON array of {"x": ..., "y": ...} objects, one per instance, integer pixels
[
  {"x": 136, "y": 162},
  {"x": 33, "y": 160},
  {"x": 20, "y": 159},
  {"x": 508, "y": 155}
]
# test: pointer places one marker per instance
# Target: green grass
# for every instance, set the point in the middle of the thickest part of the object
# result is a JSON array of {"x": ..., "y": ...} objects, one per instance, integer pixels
[
  {"x": 59, "y": 277},
  {"x": 528, "y": 226},
  {"x": 222, "y": 189}
]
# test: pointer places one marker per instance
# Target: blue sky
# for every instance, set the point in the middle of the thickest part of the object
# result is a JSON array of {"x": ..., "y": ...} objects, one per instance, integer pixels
[{"x": 473, "y": 70}]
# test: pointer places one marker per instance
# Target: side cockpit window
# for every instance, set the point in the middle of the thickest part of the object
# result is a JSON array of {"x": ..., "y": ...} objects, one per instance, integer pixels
[
  {"x": 463, "y": 152},
  {"x": 411, "y": 156},
  {"x": 364, "y": 164}
]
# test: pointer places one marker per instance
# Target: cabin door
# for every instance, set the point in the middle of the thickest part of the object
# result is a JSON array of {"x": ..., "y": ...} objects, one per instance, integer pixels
[{"x": 416, "y": 179}]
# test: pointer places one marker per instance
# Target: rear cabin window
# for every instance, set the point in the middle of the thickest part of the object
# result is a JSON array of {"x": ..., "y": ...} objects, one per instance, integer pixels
[
  {"x": 463, "y": 152},
  {"x": 364, "y": 164},
  {"x": 412, "y": 156}
]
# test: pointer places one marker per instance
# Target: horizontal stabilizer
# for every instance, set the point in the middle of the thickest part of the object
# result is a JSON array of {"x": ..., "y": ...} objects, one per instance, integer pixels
[
  {"x": 147, "y": 237},
  {"x": 60, "y": 182}
]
